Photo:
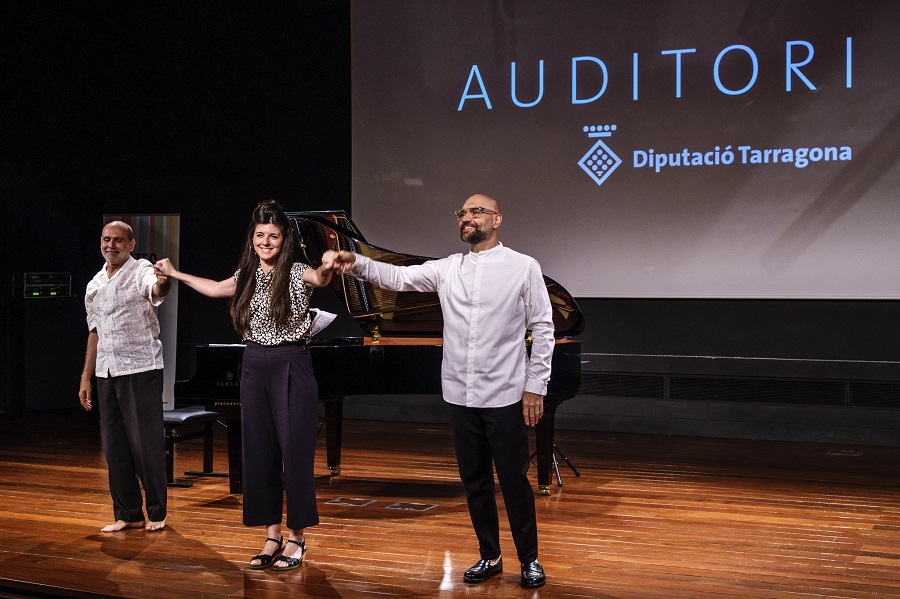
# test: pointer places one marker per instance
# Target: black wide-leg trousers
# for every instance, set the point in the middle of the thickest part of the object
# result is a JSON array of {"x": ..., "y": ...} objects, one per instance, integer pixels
[
  {"x": 279, "y": 399},
  {"x": 131, "y": 426},
  {"x": 498, "y": 435}
]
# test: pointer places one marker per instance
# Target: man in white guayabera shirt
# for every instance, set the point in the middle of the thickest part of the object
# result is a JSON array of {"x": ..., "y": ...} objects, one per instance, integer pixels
[
  {"x": 124, "y": 351},
  {"x": 489, "y": 297}
]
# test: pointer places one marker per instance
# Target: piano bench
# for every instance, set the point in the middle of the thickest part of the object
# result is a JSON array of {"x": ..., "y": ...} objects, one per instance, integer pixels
[{"x": 183, "y": 424}]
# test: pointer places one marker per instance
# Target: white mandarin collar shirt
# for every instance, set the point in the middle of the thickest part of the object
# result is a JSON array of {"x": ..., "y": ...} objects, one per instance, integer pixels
[
  {"x": 123, "y": 310},
  {"x": 489, "y": 300}
]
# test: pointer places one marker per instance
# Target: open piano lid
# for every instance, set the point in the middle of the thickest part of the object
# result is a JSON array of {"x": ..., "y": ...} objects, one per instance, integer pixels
[{"x": 409, "y": 313}]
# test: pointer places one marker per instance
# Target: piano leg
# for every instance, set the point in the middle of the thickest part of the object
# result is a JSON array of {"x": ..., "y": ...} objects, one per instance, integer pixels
[
  {"x": 234, "y": 455},
  {"x": 543, "y": 437},
  {"x": 334, "y": 420}
]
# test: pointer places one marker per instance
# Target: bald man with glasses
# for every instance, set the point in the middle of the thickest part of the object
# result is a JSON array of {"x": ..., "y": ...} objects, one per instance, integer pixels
[{"x": 494, "y": 389}]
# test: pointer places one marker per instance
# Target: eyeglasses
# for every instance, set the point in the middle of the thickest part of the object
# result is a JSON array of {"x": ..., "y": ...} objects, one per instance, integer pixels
[{"x": 461, "y": 214}]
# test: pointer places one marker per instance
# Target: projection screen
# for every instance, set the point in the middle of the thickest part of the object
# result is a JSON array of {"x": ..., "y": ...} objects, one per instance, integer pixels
[{"x": 702, "y": 149}]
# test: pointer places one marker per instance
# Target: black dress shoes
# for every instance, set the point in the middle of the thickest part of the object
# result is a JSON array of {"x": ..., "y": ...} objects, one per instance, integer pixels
[
  {"x": 533, "y": 575},
  {"x": 484, "y": 570}
]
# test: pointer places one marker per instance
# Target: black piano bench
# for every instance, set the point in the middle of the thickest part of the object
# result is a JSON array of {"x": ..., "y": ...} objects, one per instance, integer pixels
[{"x": 183, "y": 424}]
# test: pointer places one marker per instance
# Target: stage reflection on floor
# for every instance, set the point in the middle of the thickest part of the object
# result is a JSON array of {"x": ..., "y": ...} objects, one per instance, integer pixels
[{"x": 650, "y": 516}]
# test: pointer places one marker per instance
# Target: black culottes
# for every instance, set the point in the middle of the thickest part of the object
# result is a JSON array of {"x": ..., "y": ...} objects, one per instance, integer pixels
[{"x": 279, "y": 400}]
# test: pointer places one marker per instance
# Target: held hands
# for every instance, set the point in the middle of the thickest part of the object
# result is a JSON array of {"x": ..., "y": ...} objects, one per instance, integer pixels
[
  {"x": 338, "y": 261},
  {"x": 163, "y": 271},
  {"x": 532, "y": 407},
  {"x": 163, "y": 268}
]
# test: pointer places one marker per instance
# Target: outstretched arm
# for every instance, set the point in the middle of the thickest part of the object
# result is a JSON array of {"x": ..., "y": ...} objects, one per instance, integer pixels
[
  {"x": 340, "y": 260},
  {"x": 207, "y": 287},
  {"x": 318, "y": 277},
  {"x": 419, "y": 277}
]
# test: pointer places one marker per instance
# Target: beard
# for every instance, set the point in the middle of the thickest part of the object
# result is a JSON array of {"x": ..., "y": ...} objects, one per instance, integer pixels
[
  {"x": 476, "y": 235},
  {"x": 116, "y": 259}
]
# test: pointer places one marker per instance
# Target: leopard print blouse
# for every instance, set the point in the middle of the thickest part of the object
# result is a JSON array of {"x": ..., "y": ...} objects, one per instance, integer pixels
[{"x": 262, "y": 329}]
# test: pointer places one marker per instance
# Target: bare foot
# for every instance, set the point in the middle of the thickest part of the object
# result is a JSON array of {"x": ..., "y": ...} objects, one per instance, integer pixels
[
  {"x": 122, "y": 525},
  {"x": 153, "y": 526}
]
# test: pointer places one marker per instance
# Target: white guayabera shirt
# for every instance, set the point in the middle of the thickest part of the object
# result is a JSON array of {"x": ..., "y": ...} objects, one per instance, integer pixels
[
  {"x": 123, "y": 310},
  {"x": 489, "y": 300}
]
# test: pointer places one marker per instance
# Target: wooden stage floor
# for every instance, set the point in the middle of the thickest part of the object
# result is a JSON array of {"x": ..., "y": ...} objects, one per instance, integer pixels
[{"x": 650, "y": 516}]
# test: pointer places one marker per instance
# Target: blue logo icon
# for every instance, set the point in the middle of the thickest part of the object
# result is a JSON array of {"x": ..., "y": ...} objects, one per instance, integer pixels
[{"x": 600, "y": 161}]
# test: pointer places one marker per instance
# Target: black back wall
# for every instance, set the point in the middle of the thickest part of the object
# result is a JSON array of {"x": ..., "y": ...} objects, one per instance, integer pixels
[
  {"x": 207, "y": 108},
  {"x": 200, "y": 110}
]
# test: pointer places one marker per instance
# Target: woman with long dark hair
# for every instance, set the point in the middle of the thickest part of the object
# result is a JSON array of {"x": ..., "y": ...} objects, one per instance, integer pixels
[{"x": 269, "y": 307}]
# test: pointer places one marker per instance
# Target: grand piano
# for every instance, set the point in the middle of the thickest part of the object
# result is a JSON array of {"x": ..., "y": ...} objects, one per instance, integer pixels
[{"x": 397, "y": 350}]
